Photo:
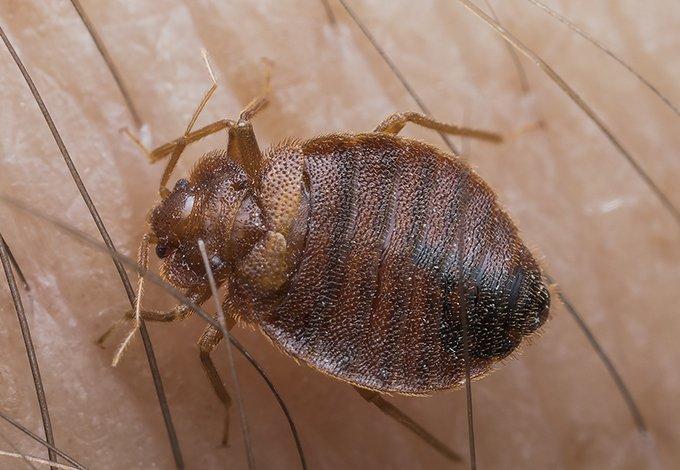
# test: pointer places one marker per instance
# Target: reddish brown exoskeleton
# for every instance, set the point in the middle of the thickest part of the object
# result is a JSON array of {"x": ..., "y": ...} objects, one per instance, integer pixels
[{"x": 370, "y": 257}]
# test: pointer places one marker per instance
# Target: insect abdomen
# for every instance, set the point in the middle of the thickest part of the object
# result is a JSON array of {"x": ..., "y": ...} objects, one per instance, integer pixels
[{"x": 400, "y": 241}]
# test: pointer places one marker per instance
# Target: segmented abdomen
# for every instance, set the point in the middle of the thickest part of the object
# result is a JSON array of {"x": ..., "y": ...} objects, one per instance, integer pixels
[{"x": 401, "y": 241}]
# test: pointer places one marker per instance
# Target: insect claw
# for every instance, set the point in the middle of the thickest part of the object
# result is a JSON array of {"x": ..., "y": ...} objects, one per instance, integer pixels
[{"x": 102, "y": 339}]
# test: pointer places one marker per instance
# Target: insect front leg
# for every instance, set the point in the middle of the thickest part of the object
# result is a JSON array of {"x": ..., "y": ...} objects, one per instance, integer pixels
[
  {"x": 394, "y": 123},
  {"x": 197, "y": 295},
  {"x": 209, "y": 340}
]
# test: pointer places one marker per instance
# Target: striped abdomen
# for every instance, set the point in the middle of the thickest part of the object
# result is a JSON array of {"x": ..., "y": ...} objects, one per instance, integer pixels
[{"x": 401, "y": 242}]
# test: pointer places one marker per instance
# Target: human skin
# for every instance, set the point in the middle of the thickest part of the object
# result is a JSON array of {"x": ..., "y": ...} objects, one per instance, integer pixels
[{"x": 613, "y": 248}]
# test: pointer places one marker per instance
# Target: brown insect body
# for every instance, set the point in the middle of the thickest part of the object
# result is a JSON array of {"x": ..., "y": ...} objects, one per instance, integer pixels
[{"x": 359, "y": 254}]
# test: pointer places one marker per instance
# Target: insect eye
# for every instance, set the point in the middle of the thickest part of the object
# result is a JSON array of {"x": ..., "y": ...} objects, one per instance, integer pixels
[{"x": 161, "y": 250}]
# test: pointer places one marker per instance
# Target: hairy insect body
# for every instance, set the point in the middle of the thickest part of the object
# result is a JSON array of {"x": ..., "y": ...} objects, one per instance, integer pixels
[{"x": 359, "y": 254}]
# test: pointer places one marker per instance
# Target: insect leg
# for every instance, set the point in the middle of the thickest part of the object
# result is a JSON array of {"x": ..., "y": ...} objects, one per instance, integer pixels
[
  {"x": 137, "y": 315},
  {"x": 164, "y": 150},
  {"x": 396, "y": 414},
  {"x": 261, "y": 101},
  {"x": 394, "y": 123},
  {"x": 209, "y": 339},
  {"x": 242, "y": 146},
  {"x": 143, "y": 263},
  {"x": 183, "y": 141},
  {"x": 179, "y": 312}
]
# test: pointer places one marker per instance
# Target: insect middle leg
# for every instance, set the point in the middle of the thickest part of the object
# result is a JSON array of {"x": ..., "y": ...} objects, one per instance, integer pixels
[{"x": 394, "y": 123}]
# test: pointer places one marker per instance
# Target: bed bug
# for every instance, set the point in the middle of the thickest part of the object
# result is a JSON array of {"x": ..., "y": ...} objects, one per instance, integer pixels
[{"x": 377, "y": 259}]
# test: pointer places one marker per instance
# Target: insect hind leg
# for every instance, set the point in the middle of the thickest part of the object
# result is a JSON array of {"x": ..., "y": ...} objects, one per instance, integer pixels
[
  {"x": 394, "y": 123},
  {"x": 399, "y": 416}
]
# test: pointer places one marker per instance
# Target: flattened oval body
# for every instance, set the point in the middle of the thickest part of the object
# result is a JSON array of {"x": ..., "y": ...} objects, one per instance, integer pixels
[{"x": 400, "y": 241}]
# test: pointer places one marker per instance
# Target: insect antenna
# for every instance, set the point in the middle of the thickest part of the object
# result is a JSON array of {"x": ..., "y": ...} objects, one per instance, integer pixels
[
  {"x": 148, "y": 348},
  {"x": 576, "y": 98},
  {"x": 109, "y": 62},
  {"x": 42, "y": 441},
  {"x": 230, "y": 356},
  {"x": 607, "y": 51},
  {"x": 30, "y": 349},
  {"x": 155, "y": 279},
  {"x": 395, "y": 70}
]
